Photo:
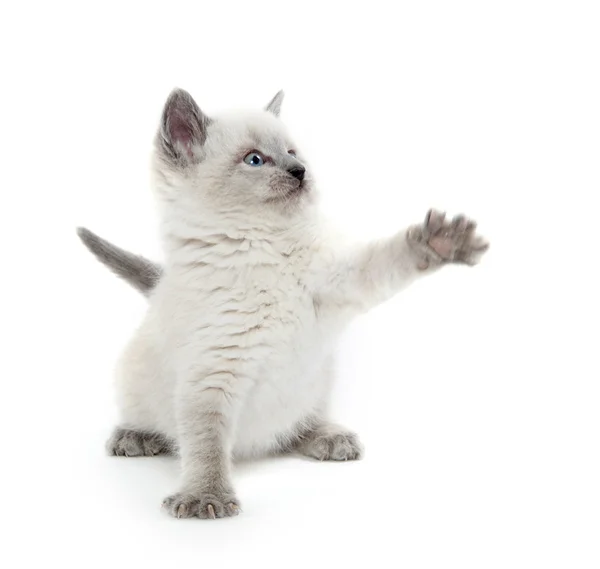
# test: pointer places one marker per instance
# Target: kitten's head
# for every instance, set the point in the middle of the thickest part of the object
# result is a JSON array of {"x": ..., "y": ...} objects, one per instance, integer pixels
[{"x": 242, "y": 162}]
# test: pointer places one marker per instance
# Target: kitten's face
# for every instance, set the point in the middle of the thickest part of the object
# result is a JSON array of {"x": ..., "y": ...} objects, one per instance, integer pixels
[{"x": 244, "y": 161}]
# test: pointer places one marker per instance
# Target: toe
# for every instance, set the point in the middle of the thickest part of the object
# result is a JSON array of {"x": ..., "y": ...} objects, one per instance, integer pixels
[
  {"x": 434, "y": 221},
  {"x": 460, "y": 223}
]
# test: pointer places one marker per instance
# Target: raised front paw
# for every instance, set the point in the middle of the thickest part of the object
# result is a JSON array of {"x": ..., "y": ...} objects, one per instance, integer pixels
[
  {"x": 440, "y": 241},
  {"x": 202, "y": 505}
]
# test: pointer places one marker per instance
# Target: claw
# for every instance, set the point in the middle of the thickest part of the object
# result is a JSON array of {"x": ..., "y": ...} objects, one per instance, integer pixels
[
  {"x": 234, "y": 509},
  {"x": 211, "y": 512},
  {"x": 182, "y": 511}
]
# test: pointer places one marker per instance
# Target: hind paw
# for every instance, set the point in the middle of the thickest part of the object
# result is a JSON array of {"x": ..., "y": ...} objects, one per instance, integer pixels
[{"x": 130, "y": 442}]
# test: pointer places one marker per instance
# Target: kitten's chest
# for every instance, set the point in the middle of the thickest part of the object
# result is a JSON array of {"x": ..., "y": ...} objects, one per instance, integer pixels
[
  {"x": 274, "y": 303},
  {"x": 254, "y": 313}
]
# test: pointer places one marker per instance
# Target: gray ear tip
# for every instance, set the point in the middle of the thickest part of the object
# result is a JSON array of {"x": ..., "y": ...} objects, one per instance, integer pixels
[
  {"x": 274, "y": 105},
  {"x": 179, "y": 100},
  {"x": 82, "y": 232},
  {"x": 178, "y": 93}
]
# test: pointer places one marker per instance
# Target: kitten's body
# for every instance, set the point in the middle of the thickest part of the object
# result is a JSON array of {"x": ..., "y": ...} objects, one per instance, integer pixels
[
  {"x": 235, "y": 355},
  {"x": 253, "y": 319}
]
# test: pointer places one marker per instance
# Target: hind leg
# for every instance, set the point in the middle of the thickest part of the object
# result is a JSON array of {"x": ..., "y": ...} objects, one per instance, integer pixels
[
  {"x": 317, "y": 437},
  {"x": 132, "y": 442},
  {"x": 143, "y": 424}
]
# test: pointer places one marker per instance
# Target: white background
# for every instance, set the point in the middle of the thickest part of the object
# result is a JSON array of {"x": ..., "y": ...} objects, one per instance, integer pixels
[{"x": 476, "y": 392}]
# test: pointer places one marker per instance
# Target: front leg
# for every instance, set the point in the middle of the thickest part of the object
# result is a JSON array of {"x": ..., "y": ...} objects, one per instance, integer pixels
[
  {"x": 359, "y": 280},
  {"x": 207, "y": 407}
]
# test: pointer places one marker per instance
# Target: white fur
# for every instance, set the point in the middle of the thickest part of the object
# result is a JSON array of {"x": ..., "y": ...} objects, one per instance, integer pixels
[{"x": 241, "y": 329}]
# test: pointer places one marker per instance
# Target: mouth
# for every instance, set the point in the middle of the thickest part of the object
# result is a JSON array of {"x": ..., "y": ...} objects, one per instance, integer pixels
[
  {"x": 298, "y": 190},
  {"x": 289, "y": 191},
  {"x": 301, "y": 187}
]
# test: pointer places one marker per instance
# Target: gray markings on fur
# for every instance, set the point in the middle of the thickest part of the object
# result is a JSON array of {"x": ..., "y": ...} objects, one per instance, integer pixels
[
  {"x": 183, "y": 129},
  {"x": 274, "y": 105},
  {"x": 130, "y": 442},
  {"x": 208, "y": 506},
  {"x": 138, "y": 271},
  {"x": 439, "y": 241},
  {"x": 331, "y": 442}
]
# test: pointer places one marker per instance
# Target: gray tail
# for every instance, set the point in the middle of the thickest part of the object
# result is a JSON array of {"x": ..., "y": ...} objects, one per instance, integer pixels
[{"x": 139, "y": 272}]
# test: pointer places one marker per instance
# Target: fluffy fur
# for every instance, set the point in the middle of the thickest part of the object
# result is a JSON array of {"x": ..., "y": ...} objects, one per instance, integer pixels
[{"x": 234, "y": 356}]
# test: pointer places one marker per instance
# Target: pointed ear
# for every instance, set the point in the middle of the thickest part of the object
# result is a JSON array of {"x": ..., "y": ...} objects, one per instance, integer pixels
[
  {"x": 182, "y": 128},
  {"x": 275, "y": 105}
]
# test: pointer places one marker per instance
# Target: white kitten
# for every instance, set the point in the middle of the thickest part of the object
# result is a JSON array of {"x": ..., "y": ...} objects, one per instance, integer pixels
[{"x": 233, "y": 358}]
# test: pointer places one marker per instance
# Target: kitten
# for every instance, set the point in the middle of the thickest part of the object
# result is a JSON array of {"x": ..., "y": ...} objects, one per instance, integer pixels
[{"x": 234, "y": 356}]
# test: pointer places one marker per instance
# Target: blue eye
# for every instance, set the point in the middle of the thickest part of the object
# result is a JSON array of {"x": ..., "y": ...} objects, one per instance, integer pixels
[{"x": 254, "y": 159}]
